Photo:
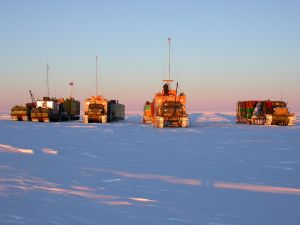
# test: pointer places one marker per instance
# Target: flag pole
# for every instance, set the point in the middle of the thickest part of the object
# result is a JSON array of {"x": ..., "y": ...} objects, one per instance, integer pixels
[{"x": 71, "y": 84}]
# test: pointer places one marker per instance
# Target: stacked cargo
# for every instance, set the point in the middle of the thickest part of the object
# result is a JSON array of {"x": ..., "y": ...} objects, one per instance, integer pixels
[
  {"x": 52, "y": 109},
  {"x": 20, "y": 113},
  {"x": 148, "y": 111},
  {"x": 23, "y": 113},
  {"x": 264, "y": 113},
  {"x": 72, "y": 108},
  {"x": 244, "y": 111},
  {"x": 46, "y": 110}
]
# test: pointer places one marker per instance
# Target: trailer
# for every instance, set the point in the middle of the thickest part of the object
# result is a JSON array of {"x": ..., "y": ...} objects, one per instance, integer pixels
[
  {"x": 72, "y": 108},
  {"x": 115, "y": 111}
]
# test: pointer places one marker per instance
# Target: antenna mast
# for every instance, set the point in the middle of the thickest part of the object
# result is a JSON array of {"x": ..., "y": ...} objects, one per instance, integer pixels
[
  {"x": 48, "y": 94},
  {"x": 281, "y": 91},
  {"x": 169, "y": 41},
  {"x": 96, "y": 75}
]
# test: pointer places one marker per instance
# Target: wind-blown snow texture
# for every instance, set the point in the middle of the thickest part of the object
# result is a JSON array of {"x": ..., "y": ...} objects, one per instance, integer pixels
[{"x": 125, "y": 173}]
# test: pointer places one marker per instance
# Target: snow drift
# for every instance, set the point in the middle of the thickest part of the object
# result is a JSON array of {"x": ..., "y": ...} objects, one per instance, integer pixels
[{"x": 214, "y": 172}]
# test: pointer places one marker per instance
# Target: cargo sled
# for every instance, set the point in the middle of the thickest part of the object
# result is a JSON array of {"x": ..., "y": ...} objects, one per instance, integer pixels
[
  {"x": 264, "y": 113},
  {"x": 53, "y": 110},
  {"x": 21, "y": 112}
]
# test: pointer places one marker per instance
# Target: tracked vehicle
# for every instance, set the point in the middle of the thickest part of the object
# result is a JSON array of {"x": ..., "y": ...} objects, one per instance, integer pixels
[
  {"x": 267, "y": 112},
  {"x": 23, "y": 113},
  {"x": 168, "y": 107},
  {"x": 53, "y": 110},
  {"x": 47, "y": 110},
  {"x": 100, "y": 110},
  {"x": 97, "y": 109}
]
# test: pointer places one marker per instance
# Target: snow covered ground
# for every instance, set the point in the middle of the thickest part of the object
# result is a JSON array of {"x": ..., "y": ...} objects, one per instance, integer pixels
[{"x": 215, "y": 172}]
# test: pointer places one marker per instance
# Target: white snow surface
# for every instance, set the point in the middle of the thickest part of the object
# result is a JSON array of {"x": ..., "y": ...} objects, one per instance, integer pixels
[{"x": 215, "y": 172}]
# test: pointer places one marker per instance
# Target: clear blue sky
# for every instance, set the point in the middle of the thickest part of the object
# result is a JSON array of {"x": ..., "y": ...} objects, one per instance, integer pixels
[{"x": 222, "y": 51}]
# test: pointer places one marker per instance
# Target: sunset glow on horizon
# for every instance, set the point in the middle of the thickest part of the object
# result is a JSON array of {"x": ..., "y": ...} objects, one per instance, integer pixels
[{"x": 220, "y": 53}]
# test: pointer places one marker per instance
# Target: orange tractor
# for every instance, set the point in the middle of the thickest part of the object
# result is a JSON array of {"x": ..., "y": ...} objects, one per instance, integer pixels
[
  {"x": 99, "y": 109},
  {"x": 168, "y": 108}
]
